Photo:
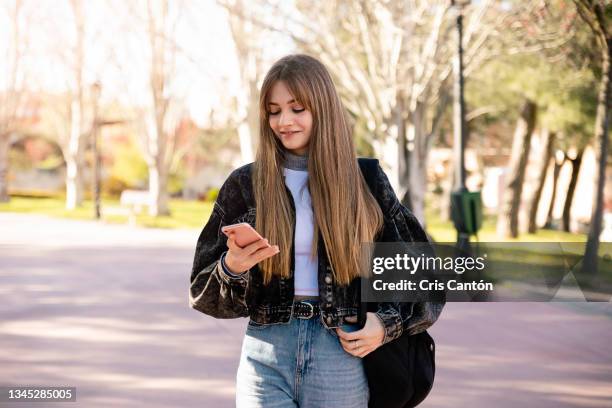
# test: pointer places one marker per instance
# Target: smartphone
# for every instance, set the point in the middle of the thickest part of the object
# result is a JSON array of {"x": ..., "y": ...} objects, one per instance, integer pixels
[{"x": 244, "y": 234}]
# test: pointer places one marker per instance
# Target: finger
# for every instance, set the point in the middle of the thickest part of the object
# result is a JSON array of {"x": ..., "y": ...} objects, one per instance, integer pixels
[
  {"x": 350, "y": 349},
  {"x": 231, "y": 244},
  {"x": 349, "y": 336},
  {"x": 360, "y": 352},
  {"x": 347, "y": 345},
  {"x": 264, "y": 253},
  {"x": 351, "y": 319},
  {"x": 256, "y": 246}
]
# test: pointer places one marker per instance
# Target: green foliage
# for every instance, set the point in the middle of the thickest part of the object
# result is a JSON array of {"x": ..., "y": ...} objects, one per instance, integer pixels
[
  {"x": 561, "y": 80},
  {"x": 176, "y": 181},
  {"x": 572, "y": 107},
  {"x": 19, "y": 160},
  {"x": 129, "y": 168},
  {"x": 362, "y": 137},
  {"x": 113, "y": 186},
  {"x": 211, "y": 195},
  {"x": 566, "y": 96},
  {"x": 51, "y": 162}
]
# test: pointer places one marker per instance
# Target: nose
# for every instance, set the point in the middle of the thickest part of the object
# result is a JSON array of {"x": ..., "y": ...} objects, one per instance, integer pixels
[{"x": 286, "y": 118}]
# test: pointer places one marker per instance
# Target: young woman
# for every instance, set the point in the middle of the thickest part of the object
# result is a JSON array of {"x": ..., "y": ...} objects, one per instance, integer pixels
[{"x": 299, "y": 285}]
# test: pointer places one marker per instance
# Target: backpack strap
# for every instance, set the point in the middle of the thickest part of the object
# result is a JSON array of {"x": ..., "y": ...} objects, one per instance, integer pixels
[{"x": 369, "y": 168}]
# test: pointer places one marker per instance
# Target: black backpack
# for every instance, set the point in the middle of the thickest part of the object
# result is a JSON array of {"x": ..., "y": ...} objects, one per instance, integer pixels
[{"x": 401, "y": 372}]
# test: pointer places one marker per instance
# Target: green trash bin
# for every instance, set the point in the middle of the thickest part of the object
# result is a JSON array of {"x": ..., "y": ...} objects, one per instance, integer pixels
[{"x": 466, "y": 211}]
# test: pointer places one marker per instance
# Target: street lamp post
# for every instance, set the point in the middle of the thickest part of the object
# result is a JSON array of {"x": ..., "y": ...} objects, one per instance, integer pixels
[
  {"x": 465, "y": 206},
  {"x": 95, "y": 93},
  {"x": 459, "y": 102}
]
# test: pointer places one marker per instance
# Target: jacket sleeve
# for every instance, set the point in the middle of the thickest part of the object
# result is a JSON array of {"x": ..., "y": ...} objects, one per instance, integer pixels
[
  {"x": 401, "y": 317},
  {"x": 212, "y": 291}
]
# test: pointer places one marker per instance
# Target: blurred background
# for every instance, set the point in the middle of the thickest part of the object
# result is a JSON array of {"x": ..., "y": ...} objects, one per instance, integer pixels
[{"x": 119, "y": 121}]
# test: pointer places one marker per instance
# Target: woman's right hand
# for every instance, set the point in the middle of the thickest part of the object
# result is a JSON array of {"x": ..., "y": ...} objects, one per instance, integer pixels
[{"x": 239, "y": 260}]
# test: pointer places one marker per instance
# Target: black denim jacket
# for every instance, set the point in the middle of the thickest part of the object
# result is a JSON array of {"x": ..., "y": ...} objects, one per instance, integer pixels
[{"x": 220, "y": 295}]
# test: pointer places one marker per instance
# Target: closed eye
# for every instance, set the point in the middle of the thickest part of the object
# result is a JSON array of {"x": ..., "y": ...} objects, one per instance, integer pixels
[{"x": 294, "y": 110}]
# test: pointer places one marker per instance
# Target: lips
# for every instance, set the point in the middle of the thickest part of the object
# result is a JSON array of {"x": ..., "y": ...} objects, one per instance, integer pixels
[{"x": 289, "y": 133}]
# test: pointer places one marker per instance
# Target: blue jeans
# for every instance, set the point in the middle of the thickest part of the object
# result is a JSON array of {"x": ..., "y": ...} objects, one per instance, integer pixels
[{"x": 298, "y": 364}]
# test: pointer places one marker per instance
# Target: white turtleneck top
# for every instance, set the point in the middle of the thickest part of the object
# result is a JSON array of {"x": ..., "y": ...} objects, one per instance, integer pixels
[
  {"x": 295, "y": 170},
  {"x": 306, "y": 267}
]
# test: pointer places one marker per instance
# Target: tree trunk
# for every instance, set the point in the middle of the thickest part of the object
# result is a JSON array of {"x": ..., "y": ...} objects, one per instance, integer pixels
[
  {"x": 393, "y": 152},
  {"x": 551, "y": 207},
  {"x": 248, "y": 130},
  {"x": 410, "y": 142},
  {"x": 246, "y": 36},
  {"x": 507, "y": 223},
  {"x": 569, "y": 197},
  {"x": 403, "y": 155},
  {"x": 447, "y": 189},
  {"x": 5, "y": 143},
  {"x": 158, "y": 190},
  {"x": 601, "y": 148},
  {"x": 11, "y": 97},
  {"x": 549, "y": 138},
  {"x": 74, "y": 182},
  {"x": 157, "y": 135},
  {"x": 74, "y": 156},
  {"x": 156, "y": 159},
  {"x": 418, "y": 149},
  {"x": 76, "y": 143},
  {"x": 246, "y": 147}
]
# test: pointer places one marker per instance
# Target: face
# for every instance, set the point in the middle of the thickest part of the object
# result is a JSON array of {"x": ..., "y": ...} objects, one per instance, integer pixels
[{"x": 289, "y": 120}]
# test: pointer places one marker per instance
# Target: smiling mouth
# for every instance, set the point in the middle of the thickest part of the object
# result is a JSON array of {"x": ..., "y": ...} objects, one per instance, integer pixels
[{"x": 289, "y": 133}]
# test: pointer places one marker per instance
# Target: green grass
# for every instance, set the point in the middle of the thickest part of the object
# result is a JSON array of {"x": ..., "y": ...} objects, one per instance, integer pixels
[
  {"x": 194, "y": 214},
  {"x": 184, "y": 214},
  {"x": 444, "y": 231}
]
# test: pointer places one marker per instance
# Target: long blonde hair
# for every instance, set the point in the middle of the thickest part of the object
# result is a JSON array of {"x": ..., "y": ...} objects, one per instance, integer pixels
[{"x": 345, "y": 212}]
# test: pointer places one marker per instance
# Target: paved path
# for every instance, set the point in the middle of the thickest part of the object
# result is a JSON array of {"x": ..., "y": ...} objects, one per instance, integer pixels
[{"x": 104, "y": 308}]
